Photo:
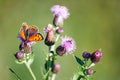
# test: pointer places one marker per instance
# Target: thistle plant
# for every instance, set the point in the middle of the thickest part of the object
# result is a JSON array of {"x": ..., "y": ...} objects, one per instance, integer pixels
[
  {"x": 85, "y": 69},
  {"x": 57, "y": 44}
]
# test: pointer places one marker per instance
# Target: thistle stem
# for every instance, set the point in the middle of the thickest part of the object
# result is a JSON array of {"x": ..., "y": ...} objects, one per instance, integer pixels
[
  {"x": 30, "y": 70},
  {"x": 51, "y": 59},
  {"x": 57, "y": 37},
  {"x": 53, "y": 77}
]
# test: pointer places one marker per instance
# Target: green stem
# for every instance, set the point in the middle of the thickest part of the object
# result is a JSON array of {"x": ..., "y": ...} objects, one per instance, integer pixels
[
  {"x": 47, "y": 75},
  {"x": 79, "y": 78},
  {"x": 51, "y": 60},
  {"x": 30, "y": 70},
  {"x": 53, "y": 77},
  {"x": 57, "y": 37},
  {"x": 91, "y": 65}
]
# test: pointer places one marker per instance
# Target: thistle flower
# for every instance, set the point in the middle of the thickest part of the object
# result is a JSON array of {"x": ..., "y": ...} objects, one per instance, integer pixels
[
  {"x": 60, "y": 13},
  {"x": 96, "y": 56},
  {"x": 50, "y": 38},
  {"x": 68, "y": 45}
]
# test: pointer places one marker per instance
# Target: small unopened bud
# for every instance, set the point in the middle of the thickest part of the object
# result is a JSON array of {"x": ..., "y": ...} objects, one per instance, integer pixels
[
  {"x": 86, "y": 54},
  {"x": 59, "y": 30},
  {"x": 89, "y": 71},
  {"x": 19, "y": 55},
  {"x": 60, "y": 50},
  {"x": 96, "y": 56},
  {"x": 56, "y": 68},
  {"x": 58, "y": 20}
]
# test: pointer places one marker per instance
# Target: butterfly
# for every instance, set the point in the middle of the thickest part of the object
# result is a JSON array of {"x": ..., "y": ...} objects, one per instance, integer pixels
[{"x": 29, "y": 33}]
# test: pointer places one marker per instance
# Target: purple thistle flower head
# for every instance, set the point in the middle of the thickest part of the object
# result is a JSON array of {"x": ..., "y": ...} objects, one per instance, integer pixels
[
  {"x": 96, "y": 56},
  {"x": 69, "y": 44},
  {"x": 62, "y": 11}
]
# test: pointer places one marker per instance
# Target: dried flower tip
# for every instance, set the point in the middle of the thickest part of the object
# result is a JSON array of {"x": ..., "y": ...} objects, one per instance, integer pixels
[
  {"x": 19, "y": 55},
  {"x": 56, "y": 68},
  {"x": 69, "y": 44},
  {"x": 60, "y": 50},
  {"x": 96, "y": 56},
  {"x": 89, "y": 71},
  {"x": 86, "y": 55},
  {"x": 48, "y": 28},
  {"x": 59, "y": 30}
]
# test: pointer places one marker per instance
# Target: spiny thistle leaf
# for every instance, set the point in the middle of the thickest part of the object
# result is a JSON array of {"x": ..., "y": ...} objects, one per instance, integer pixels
[{"x": 79, "y": 60}]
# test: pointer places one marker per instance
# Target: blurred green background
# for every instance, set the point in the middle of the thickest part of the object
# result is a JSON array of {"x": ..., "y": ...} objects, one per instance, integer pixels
[{"x": 94, "y": 24}]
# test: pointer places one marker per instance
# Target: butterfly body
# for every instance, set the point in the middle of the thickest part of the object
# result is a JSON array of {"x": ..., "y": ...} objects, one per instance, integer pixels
[{"x": 29, "y": 34}]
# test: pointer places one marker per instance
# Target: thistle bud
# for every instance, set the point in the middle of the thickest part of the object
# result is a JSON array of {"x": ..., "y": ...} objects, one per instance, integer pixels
[
  {"x": 59, "y": 30},
  {"x": 86, "y": 55},
  {"x": 19, "y": 55},
  {"x": 89, "y": 71},
  {"x": 56, "y": 68},
  {"x": 60, "y": 50},
  {"x": 96, "y": 56},
  {"x": 50, "y": 38}
]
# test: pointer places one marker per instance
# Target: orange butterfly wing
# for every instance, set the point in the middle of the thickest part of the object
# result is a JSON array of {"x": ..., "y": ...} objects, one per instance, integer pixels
[
  {"x": 32, "y": 30},
  {"x": 36, "y": 37},
  {"x": 23, "y": 30},
  {"x": 22, "y": 34}
]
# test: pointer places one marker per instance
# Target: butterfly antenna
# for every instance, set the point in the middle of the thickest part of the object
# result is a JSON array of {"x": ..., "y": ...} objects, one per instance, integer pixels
[{"x": 15, "y": 73}]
